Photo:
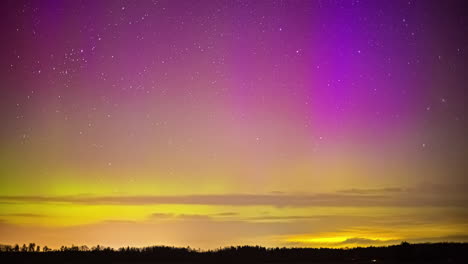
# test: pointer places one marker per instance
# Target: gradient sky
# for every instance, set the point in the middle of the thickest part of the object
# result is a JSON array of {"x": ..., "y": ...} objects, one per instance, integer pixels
[{"x": 215, "y": 123}]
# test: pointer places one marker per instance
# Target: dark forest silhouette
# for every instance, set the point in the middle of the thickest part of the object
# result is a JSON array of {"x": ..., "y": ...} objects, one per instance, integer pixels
[{"x": 403, "y": 253}]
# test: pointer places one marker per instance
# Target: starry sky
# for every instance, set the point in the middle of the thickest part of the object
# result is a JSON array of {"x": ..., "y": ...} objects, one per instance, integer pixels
[{"x": 215, "y": 123}]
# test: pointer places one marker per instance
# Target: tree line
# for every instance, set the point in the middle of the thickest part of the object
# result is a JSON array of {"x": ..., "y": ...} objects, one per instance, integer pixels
[{"x": 404, "y": 252}]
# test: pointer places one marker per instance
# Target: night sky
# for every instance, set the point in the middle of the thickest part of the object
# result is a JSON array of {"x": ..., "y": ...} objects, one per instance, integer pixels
[{"x": 215, "y": 123}]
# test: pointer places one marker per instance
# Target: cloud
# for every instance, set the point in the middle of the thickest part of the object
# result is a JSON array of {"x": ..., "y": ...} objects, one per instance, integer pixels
[
  {"x": 180, "y": 216},
  {"x": 202, "y": 232},
  {"x": 286, "y": 218},
  {"x": 26, "y": 215},
  {"x": 425, "y": 187},
  {"x": 450, "y": 188},
  {"x": 224, "y": 199},
  {"x": 208, "y": 231},
  {"x": 372, "y": 191},
  {"x": 279, "y": 200},
  {"x": 367, "y": 241},
  {"x": 376, "y": 242},
  {"x": 227, "y": 214},
  {"x": 453, "y": 238}
]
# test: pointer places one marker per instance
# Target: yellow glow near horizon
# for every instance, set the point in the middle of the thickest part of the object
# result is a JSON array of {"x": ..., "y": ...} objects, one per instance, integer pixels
[
  {"x": 319, "y": 239},
  {"x": 339, "y": 240}
]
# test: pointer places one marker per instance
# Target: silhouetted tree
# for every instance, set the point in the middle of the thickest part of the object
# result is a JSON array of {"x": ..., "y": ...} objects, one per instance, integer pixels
[
  {"x": 404, "y": 252},
  {"x": 6, "y": 248},
  {"x": 74, "y": 248},
  {"x": 32, "y": 246},
  {"x": 96, "y": 248}
]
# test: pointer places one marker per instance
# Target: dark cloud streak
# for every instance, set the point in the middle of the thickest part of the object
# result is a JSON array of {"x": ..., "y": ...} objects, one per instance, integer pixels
[{"x": 277, "y": 200}]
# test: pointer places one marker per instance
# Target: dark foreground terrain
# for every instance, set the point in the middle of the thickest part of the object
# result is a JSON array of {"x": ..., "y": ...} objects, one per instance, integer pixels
[{"x": 403, "y": 253}]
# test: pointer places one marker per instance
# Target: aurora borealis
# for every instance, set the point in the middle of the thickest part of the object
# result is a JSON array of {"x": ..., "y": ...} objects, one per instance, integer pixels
[{"x": 217, "y": 123}]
